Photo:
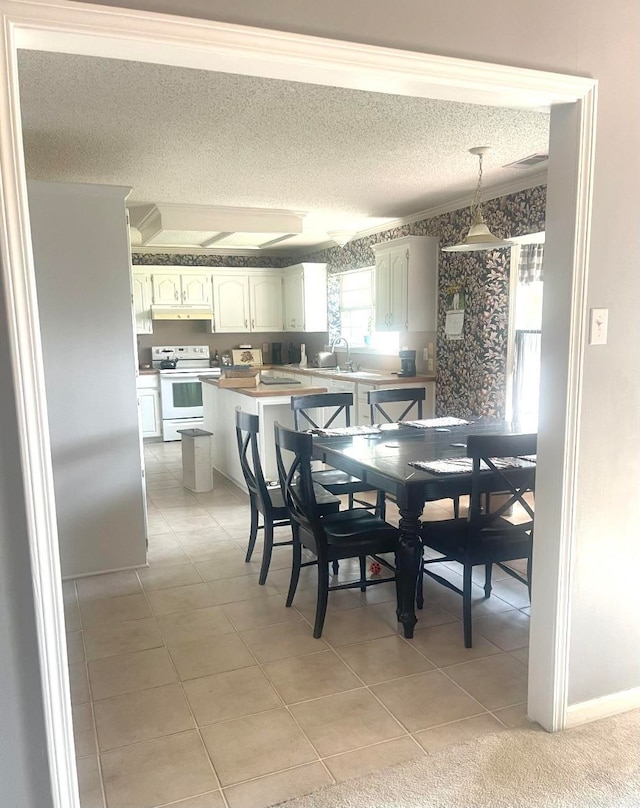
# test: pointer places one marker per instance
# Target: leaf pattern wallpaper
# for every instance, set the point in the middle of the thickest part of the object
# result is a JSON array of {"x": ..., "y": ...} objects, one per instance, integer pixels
[{"x": 471, "y": 372}]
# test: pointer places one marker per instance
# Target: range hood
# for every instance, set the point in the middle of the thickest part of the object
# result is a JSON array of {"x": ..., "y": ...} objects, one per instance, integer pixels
[{"x": 180, "y": 312}]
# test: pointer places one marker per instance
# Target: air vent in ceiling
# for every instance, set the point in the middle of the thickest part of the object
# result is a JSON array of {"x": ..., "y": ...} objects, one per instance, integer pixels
[{"x": 530, "y": 161}]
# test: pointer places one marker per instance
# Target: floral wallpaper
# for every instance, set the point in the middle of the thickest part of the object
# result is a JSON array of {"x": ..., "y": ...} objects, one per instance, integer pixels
[{"x": 471, "y": 372}]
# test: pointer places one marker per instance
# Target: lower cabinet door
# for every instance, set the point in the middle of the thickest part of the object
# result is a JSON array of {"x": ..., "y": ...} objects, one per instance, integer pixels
[{"x": 150, "y": 419}]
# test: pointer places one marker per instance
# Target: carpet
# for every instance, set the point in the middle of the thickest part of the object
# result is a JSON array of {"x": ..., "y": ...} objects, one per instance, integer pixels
[{"x": 596, "y": 765}]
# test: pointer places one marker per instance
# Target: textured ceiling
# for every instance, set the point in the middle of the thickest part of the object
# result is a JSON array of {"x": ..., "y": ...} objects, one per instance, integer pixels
[{"x": 175, "y": 135}]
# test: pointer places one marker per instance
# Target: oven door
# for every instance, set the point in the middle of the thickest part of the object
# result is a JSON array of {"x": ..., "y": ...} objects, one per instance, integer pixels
[{"x": 181, "y": 396}]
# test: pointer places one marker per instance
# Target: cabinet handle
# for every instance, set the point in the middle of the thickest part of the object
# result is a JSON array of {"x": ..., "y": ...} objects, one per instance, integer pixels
[
  {"x": 246, "y": 324},
  {"x": 184, "y": 296},
  {"x": 176, "y": 294},
  {"x": 253, "y": 324}
]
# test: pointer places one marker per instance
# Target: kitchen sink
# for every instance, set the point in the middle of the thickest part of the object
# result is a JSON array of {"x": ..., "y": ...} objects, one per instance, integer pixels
[{"x": 363, "y": 374}]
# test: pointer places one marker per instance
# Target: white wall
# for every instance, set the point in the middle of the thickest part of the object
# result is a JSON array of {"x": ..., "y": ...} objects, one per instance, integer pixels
[
  {"x": 82, "y": 276},
  {"x": 582, "y": 37}
]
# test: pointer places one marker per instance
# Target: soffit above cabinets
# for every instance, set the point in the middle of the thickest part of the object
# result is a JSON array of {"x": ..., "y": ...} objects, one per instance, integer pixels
[{"x": 204, "y": 226}]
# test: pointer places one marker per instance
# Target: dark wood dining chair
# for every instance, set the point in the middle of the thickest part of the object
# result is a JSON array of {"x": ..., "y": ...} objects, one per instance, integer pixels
[
  {"x": 264, "y": 499},
  {"x": 487, "y": 537},
  {"x": 414, "y": 398},
  {"x": 338, "y": 482},
  {"x": 356, "y": 533}
]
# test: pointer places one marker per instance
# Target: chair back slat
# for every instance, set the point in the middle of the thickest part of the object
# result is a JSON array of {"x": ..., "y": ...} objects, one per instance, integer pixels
[
  {"x": 514, "y": 482},
  {"x": 413, "y": 395},
  {"x": 337, "y": 403},
  {"x": 296, "y": 481},
  {"x": 247, "y": 428}
]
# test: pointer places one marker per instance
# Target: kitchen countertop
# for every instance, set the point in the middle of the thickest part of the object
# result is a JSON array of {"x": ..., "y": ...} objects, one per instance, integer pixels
[
  {"x": 147, "y": 372},
  {"x": 268, "y": 390},
  {"x": 367, "y": 376}
]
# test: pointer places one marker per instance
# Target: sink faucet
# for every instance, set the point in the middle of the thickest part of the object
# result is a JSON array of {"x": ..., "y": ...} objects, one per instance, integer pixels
[{"x": 348, "y": 362}]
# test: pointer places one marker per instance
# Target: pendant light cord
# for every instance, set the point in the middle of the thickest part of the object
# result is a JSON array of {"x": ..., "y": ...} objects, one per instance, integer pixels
[{"x": 476, "y": 209}]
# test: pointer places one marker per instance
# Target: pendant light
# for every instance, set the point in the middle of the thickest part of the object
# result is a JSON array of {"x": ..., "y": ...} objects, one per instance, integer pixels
[{"x": 479, "y": 236}]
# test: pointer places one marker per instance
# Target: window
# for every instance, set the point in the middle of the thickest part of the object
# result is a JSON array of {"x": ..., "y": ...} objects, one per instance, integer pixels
[{"x": 357, "y": 313}]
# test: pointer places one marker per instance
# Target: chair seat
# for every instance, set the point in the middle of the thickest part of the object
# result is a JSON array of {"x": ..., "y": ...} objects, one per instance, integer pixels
[
  {"x": 503, "y": 541},
  {"x": 327, "y": 502},
  {"x": 340, "y": 482},
  {"x": 359, "y": 528}
]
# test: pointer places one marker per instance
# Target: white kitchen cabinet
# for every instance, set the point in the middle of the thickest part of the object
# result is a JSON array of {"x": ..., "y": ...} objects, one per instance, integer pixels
[
  {"x": 149, "y": 412},
  {"x": 142, "y": 295},
  {"x": 246, "y": 302},
  {"x": 407, "y": 284},
  {"x": 305, "y": 297},
  {"x": 231, "y": 303},
  {"x": 265, "y": 302},
  {"x": 176, "y": 287}
]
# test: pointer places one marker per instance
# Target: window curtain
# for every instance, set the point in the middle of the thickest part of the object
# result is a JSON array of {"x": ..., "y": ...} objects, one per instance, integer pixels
[
  {"x": 530, "y": 263},
  {"x": 526, "y": 378}
]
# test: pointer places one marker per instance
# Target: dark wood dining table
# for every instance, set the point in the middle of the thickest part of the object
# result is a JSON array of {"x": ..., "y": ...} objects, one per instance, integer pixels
[{"x": 383, "y": 459}]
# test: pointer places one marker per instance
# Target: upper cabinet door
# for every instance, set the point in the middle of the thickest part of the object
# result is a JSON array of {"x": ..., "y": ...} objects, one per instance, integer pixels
[
  {"x": 231, "y": 303},
  {"x": 294, "y": 300},
  {"x": 265, "y": 295},
  {"x": 383, "y": 292},
  {"x": 141, "y": 288},
  {"x": 166, "y": 287},
  {"x": 196, "y": 289},
  {"x": 398, "y": 290}
]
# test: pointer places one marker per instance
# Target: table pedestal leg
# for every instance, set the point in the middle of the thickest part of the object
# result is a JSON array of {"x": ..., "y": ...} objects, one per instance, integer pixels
[{"x": 408, "y": 562}]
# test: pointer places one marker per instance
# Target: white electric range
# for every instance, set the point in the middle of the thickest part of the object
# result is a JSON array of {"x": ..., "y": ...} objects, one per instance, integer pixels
[{"x": 180, "y": 387}]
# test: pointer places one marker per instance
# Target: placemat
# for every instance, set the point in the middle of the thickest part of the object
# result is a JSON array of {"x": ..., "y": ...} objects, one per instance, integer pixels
[
  {"x": 461, "y": 465},
  {"x": 346, "y": 431},
  {"x": 428, "y": 423}
]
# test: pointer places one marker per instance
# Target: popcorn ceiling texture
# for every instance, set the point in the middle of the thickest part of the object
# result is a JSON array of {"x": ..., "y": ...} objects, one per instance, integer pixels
[{"x": 471, "y": 372}]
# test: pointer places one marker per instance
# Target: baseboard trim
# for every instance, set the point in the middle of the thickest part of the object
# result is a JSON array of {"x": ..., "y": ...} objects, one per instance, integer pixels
[
  {"x": 602, "y": 707},
  {"x": 104, "y": 572}
]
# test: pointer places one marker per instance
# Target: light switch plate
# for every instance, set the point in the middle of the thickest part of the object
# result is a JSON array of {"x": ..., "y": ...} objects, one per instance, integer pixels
[
  {"x": 598, "y": 323},
  {"x": 425, "y": 354}
]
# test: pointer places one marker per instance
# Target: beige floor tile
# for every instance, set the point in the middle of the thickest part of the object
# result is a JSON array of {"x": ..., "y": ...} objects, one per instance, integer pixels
[
  {"x": 438, "y": 738},
  {"x": 444, "y": 645},
  {"x": 104, "y": 611},
  {"x": 371, "y": 759},
  {"x": 269, "y": 611},
  {"x": 230, "y": 695},
  {"x": 204, "y": 658},
  {"x": 142, "y": 716},
  {"x": 275, "y": 788},
  {"x": 426, "y": 700},
  {"x": 282, "y": 641},
  {"x": 308, "y": 677},
  {"x": 71, "y": 617},
  {"x": 339, "y": 601},
  {"x": 512, "y": 592},
  {"x": 166, "y": 556},
  {"x": 198, "y": 624},
  {"x": 156, "y": 772},
  {"x": 109, "y": 585},
  {"x": 384, "y": 658},
  {"x": 521, "y": 654},
  {"x": 69, "y": 595},
  {"x": 213, "y": 799},
  {"x": 75, "y": 647},
  {"x": 345, "y": 721},
  {"x": 497, "y": 681},
  {"x": 78, "y": 683},
  {"x": 244, "y": 587},
  {"x": 126, "y": 673},
  {"x": 354, "y": 625},
  {"x": 122, "y": 638},
  {"x": 185, "y": 523},
  {"x": 507, "y": 630},
  {"x": 256, "y": 745},
  {"x": 168, "y": 577},
  {"x": 89, "y": 783},
  {"x": 515, "y": 717},
  {"x": 233, "y": 567},
  {"x": 83, "y": 731},
  {"x": 180, "y": 599}
]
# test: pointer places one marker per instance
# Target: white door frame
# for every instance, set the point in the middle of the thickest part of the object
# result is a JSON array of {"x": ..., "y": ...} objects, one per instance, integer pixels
[{"x": 61, "y": 26}]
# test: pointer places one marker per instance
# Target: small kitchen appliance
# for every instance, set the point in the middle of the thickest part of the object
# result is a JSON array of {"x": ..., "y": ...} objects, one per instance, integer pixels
[
  {"x": 180, "y": 387},
  {"x": 407, "y": 363},
  {"x": 276, "y": 353}
]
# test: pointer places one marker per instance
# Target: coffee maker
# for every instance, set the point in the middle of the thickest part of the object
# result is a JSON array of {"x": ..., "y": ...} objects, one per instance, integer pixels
[{"x": 407, "y": 363}]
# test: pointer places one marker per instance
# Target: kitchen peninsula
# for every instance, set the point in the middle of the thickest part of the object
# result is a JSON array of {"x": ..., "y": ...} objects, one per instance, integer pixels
[
  {"x": 273, "y": 403},
  {"x": 220, "y": 404}
]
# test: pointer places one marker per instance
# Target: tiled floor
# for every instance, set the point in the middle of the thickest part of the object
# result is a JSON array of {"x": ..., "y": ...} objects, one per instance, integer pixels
[{"x": 195, "y": 687}]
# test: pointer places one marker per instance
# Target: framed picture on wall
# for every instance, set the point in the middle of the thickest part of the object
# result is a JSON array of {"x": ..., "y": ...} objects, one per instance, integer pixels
[{"x": 246, "y": 356}]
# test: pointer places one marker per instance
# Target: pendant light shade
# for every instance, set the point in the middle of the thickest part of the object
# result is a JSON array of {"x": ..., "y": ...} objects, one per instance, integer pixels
[{"x": 479, "y": 236}]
